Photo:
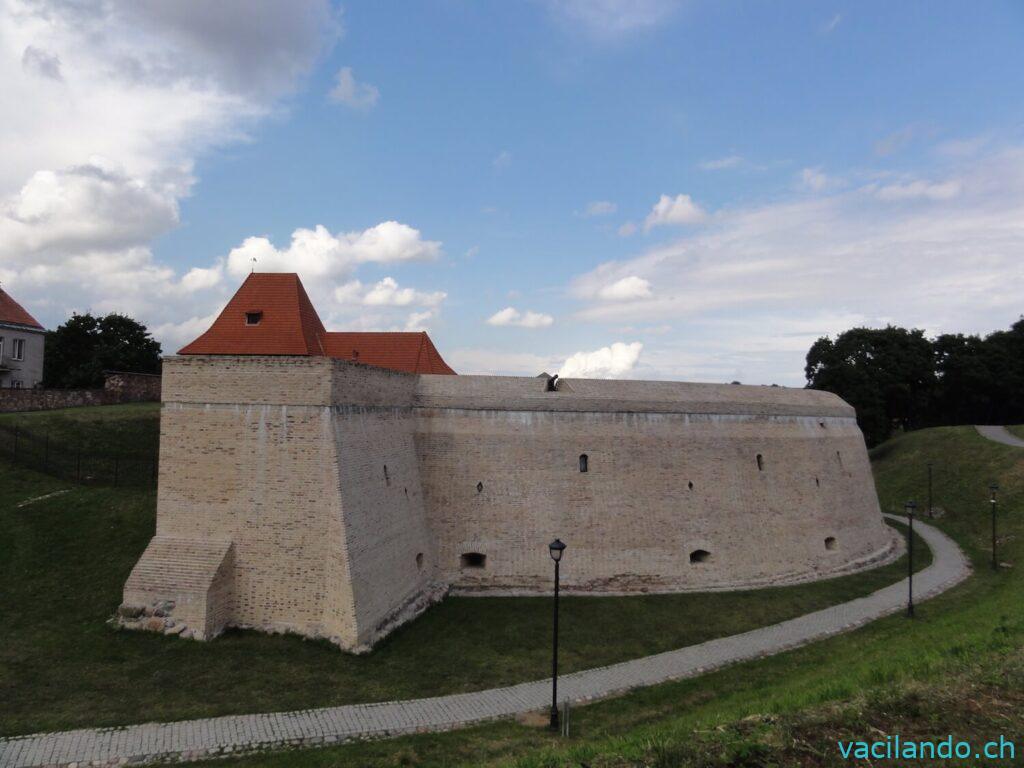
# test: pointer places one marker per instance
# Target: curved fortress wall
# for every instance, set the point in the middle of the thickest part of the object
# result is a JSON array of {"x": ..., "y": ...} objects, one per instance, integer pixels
[{"x": 338, "y": 500}]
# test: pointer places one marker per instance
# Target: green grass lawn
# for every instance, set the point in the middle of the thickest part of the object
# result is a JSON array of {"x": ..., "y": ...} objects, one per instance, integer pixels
[
  {"x": 958, "y": 668},
  {"x": 1017, "y": 429},
  {"x": 129, "y": 428},
  {"x": 66, "y": 558}
]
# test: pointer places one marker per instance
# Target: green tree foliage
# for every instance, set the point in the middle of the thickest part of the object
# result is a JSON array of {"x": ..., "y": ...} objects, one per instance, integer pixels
[
  {"x": 901, "y": 380},
  {"x": 85, "y": 346}
]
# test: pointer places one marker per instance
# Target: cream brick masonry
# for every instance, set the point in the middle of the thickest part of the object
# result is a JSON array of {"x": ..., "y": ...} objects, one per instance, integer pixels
[{"x": 333, "y": 499}]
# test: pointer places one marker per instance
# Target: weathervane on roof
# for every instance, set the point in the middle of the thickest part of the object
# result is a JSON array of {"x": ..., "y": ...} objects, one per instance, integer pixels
[{"x": 253, "y": 260}]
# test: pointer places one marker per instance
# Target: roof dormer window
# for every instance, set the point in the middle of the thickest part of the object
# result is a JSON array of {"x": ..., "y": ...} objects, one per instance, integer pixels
[{"x": 253, "y": 318}]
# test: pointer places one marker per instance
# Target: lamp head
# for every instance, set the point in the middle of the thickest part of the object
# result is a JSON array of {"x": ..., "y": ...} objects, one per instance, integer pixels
[
  {"x": 910, "y": 506},
  {"x": 556, "y": 548}
]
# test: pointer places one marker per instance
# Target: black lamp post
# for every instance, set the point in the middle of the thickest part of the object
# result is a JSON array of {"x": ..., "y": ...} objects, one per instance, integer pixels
[
  {"x": 556, "y": 548},
  {"x": 910, "y": 506},
  {"x": 993, "y": 488}
]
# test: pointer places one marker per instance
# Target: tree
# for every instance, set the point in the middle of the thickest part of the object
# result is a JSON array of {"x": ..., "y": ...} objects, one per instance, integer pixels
[
  {"x": 887, "y": 375},
  {"x": 85, "y": 346}
]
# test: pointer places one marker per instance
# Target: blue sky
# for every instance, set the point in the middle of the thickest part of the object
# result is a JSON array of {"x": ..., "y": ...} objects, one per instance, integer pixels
[{"x": 818, "y": 166}]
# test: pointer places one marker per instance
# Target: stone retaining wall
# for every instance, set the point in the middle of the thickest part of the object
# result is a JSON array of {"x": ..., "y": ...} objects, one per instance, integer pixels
[{"x": 119, "y": 387}]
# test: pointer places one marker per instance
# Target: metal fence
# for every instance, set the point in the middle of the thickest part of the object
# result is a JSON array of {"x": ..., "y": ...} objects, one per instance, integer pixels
[{"x": 74, "y": 463}]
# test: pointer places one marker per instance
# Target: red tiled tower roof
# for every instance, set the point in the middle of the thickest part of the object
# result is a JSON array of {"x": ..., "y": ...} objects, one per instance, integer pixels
[
  {"x": 12, "y": 313},
  {"x": 272, "y": 315}
]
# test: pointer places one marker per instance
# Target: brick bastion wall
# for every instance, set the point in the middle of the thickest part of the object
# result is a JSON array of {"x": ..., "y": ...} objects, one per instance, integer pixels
[{"x": 338, "y": 500}]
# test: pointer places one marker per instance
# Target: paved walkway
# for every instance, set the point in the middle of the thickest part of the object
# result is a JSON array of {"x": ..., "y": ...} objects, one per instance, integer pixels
[
  {"x": 1000, "y": 435},
  {"x": 218, "y": 736}
]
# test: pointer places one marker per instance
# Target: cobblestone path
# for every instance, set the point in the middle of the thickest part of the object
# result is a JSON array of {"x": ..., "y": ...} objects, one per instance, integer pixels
[{"x": 196, "y": 739}]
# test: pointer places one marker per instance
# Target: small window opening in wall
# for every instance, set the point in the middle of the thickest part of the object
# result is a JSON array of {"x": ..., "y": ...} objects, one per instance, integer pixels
[
  {"x": 406, "y": 491},
  {"x": 387, "y": 479},
  {"x": 760, "y": 463},
  {"x": 473, "y": 560},
  {"x": 419, "y": 560},
  {"x": 700, "y": 556},
  {"x": 690, "y": 485},
  {"x": 817, "y": 482},
  {"x": 584, "y": 461},
  {"x": 839, "y": 458},
  {"x": 253, "y": 318},
  {"x": 830, "y": 543},
  {"x": 479, "y": 487},
  {"x": 821, "y": 424}
]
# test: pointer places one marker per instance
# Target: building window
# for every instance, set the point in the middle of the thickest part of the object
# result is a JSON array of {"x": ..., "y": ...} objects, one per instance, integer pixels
[
  {"x": 690, "y": 485},
  {"x": 760, "y": 463},
  {"x": 473, "y": 560},
  {"x": 387, "y": 478},
  {"x": 16, "y": 384},
  {"x": 583, "y": 463},
  {"x": 1, "y": 349},
  {"x": 700, "y": 556},
  {"x": 253, "y": 318},
  {"x": 17, "y": 349},
  {"x": 479, "y": 487},
  {"x": 830, "y": 543},
  {"x": 419, "y": 560}
]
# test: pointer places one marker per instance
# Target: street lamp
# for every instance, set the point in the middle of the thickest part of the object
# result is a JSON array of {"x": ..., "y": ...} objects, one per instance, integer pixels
[
  {"x": 910, "y": 506},
  {"x": 993, "y": 488},
  {"x": 555, "y": 548}
]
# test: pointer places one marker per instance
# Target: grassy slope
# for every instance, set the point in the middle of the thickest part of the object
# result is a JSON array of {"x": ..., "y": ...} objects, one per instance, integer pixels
[
  {"x": 129, "y": 428},
  {"x": 1017, "y": 429},
  {"x": 61, "y": 666},
  {"x": 958, "y": 668}
]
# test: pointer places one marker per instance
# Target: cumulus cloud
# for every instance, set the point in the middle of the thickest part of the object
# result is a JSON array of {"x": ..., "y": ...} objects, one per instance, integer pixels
[
  {"x": 627, "y": 229},
  {"x": 118, "y": 98},
  {"x": 528, "y": 319},
  {"x": 676, "y": 210},
  {"x": 611, "y": 362},
  {"x": 317, "y": 252},
  {"x": 626, "y": 289},
  {"x": 388, "y": 293},
  {"x": 917, "y": 190},
  {"x": 599, "y": 208},
  {"x": 351, "y": 93},
  {"x": 417, "y": 321}
]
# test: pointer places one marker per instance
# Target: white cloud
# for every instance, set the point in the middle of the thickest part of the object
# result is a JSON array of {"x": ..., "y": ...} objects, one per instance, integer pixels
[
  {"x": 627, "y": 229},
  {"x": 106, "y": 105},
  {"x": 674, "y": 210},
  {"x": 607, "y": 19},
  {"x": 895, "y": 141},
  {"x": 751, "y": 289},
  {"x": 316, "y": 253},
  {"x": 626, "y": 289},
  {"x": 502, "y": 160},
  {"x": 528, "y": 319},
  {"x": 599, "y": 208},
  {"x": 831, "y": 24},
  {"x": 388, "y": 293},
  {"x": 721, "y": 163},
  {"x": 611, "y": 362},
  {"x": 351, "y": 93},
  {"x": 417, "y": 321},
  {"x": 916, "y": 190}
]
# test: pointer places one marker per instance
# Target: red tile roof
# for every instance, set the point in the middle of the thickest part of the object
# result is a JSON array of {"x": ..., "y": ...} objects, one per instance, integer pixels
[
  {"x": 289, "y": 325},
  {"x": 13, "y": 313}
]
